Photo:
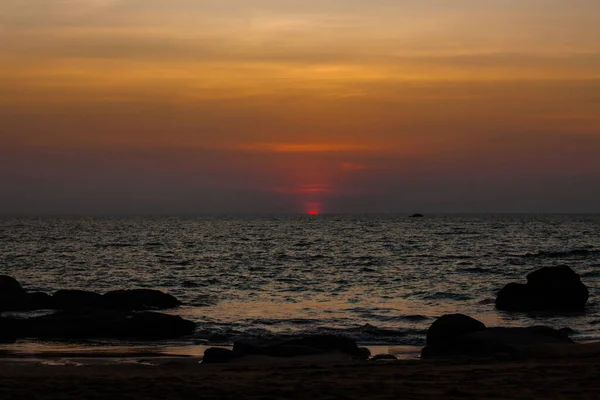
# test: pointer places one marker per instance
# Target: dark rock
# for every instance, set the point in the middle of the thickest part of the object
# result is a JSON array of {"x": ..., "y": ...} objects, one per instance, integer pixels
[
  {"x": 38, "y": 301},
  {"x": 417, "y": 216},
  {"x": 14, "y": 298},
  {"x": 547, "y": 289},
  {"x": 77, "y": 300},
  {"x": 448, "y": 327},
  {"x": 216, "y": 355},
  {"x": 139, "y": 299},
  {"x": 363, "y": 353},
  {"x": 299, "y": 346},
  {"x": 12, "y": 294},
  {"x": 497, "y": 342},
  {"x": 156, "y": 326},
  {"x": 384, "y": 357},
  {"x": 10, "y": 330},
  {"x": 567, "y": 331},
  {"x": 95, "y": 324}
]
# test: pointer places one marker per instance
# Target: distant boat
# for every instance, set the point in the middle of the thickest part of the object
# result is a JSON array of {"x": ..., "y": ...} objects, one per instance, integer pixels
[{"x": 417, "y": 216}]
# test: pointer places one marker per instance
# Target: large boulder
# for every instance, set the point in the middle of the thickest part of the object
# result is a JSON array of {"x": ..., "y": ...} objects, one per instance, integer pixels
[
  {"x": 38, "y": 301},
  {"x": 77, "y": 300},
  {"x": 493, "y": 342},
  {"x": 103, "y": 324},
  {"x": 10, "y": 330},
  {"x": 155, "y": 326},
  {"x": 448, "y": 327},
  {"x": 139, "y": 299},
  {"x": 12, "y": 294},
  {"x": 217, "y": 355},
  {"x": 547, "y": 289}
]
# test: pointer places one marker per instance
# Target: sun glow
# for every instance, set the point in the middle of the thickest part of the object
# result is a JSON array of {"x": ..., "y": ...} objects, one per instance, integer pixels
[{"x": 313, "y": 212}]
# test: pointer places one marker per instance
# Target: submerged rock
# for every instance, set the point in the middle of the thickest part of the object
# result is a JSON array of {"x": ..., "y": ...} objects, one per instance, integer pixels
[
  {"x": 139, "y": 299},
  {"x": 493, "y": 342},
  {"x": 547, "y": 289}
]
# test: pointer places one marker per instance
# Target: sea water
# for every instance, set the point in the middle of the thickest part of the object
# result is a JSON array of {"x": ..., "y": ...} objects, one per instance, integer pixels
[{"x": 381, "y": 279}]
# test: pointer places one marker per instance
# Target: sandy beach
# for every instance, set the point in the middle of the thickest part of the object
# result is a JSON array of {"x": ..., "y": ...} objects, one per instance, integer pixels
[{"x": 564, "y": 376}]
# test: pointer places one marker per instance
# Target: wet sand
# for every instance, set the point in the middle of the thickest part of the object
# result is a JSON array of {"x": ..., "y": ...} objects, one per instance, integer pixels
[{"x": 562, "y": 376}]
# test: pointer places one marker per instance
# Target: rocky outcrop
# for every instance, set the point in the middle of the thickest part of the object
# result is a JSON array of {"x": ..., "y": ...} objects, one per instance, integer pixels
[
  {"x": 76, "y": 300},
  {"x": 139, "y": 299},
  {"x": 448, "y": 327},
  {"x": 218, "y": 355},
  {"x": 464, "y": 337},
  {"x": 99, "y": 324},
  {"x": 14, "y": 298},
  {"x": 12, "y": 294},
  {"x": 38, "y": 301},
  {"x": 547, "y": 289}
]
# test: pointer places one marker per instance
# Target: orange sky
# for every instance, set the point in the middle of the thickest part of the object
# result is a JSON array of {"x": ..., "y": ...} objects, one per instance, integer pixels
[{"x": 280, "y": 106}]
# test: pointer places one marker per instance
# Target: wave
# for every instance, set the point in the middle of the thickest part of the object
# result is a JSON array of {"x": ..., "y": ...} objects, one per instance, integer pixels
[
  {"x": 457, "y": 257},
  {"x": 590, "y": 274},
  {"x": 409, "y": 318},
  {"x": 559, "y": 254},
  {"x": 114, "y": 245},
  {"x": 447, "y": 295},
  {"x": 474, "y": 270},
  {"x": 457, "y": 232}
]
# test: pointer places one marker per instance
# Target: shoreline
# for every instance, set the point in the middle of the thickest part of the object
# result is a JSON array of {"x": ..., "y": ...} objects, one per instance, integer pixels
[
  {"x": 32, "y": 349},
  {"x": 25, "y": 351}
]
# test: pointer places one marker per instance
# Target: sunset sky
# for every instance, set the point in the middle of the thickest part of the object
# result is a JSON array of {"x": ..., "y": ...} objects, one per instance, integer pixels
[{"x": 260, "y": 106}]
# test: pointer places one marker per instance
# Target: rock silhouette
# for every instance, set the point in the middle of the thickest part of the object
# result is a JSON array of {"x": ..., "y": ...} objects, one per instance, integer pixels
[
  {"x": 547, "y": 289},
  {"x": 99, "y": 324},
  {"x": 14, "y": 298},
  {"x": 76, "y": 300},
  {"x": 12, "y": 294},
  {"x": 446, "y": 328},
  {"x": 217, "y": 355},
  {"x": 463, "y": 336},
  {"x": 139, "y": 299}
]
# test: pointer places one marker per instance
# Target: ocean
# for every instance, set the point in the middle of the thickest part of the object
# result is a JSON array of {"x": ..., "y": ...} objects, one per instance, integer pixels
[{"x": 381, "y": 279}]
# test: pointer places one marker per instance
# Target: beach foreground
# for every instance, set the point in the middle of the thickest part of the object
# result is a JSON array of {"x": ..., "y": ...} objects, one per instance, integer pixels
[{"x": 561, "y": 377}]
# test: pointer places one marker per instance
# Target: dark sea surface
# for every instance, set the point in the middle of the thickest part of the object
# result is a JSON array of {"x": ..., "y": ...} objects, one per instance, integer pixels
[{"x": 382, "y": 279}]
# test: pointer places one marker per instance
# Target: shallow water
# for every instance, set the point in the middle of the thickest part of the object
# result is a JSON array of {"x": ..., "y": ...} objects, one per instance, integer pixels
[{"x": 382, "y": 279}]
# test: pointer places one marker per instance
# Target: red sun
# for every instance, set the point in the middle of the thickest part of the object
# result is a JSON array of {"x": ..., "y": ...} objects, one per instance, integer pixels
[{"x": 313, "y": 212}]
